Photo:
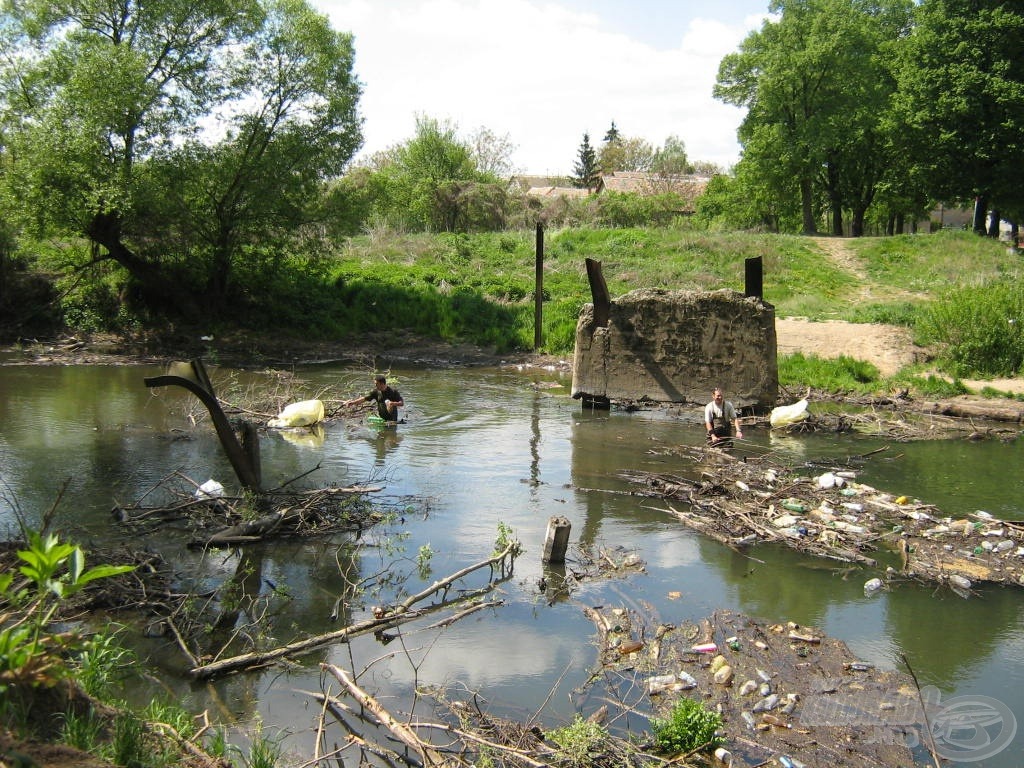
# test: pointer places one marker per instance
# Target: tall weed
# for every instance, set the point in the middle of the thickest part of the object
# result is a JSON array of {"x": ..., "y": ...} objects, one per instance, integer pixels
[{"x": 978, "y": 328}]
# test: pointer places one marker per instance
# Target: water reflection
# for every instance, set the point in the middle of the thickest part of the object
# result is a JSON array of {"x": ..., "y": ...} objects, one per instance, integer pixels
[{"x": 456, "y": 470}]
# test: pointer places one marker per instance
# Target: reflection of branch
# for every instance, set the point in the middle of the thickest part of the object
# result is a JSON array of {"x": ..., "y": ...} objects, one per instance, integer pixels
[
  {"x": 384, "y": 619},
  {"x": 461, "y": 614}
]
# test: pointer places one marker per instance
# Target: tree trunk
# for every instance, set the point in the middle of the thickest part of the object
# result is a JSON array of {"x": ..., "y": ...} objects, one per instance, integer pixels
[
  {"x": 835, "y": 199},
  {"x": 857, "y": 222},
  {"x": 807, "y": 206},
  {"x": 159, "y": 291}
]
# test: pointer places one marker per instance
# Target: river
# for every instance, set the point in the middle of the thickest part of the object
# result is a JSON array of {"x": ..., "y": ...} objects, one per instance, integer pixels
[{"x": 482, "y": 448}]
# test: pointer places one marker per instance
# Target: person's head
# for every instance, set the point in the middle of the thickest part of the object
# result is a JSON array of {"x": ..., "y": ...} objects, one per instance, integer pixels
[
  {"x": 380, "y": 382},
  {"x": 717, "y": 396}
]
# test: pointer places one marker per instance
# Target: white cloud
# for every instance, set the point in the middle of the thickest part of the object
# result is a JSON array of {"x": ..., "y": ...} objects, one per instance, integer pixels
[{"x": 537, "y": 71}]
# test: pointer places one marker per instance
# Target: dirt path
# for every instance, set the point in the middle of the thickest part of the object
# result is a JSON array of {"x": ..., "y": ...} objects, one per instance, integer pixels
[{"x": 888, "y": 347}]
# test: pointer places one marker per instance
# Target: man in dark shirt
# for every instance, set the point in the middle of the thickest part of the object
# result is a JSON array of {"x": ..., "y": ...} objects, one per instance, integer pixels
[{"x": 388, "y": 399}]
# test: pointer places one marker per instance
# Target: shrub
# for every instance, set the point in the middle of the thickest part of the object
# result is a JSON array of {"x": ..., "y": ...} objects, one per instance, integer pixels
[
  {"x": 690, "y": 726},
  {"x": 581, "y": 743},
  {"x": 979, "y": 328}
]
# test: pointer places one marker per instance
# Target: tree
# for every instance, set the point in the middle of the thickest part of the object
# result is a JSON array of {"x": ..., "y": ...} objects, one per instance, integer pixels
[
  {"x": 432, "y": 182},
  {"x": 586, "y": 171},
  {"x": 625, "y": 154},
  {"x": 961, "y": 102},
  {"x": 492, "y": 153},
  {"x": 612, "y": 134},
  {"x": 815, "y": 86},
  {"x": 116, "y": 130},
  {"x": 671, "y": 159}
]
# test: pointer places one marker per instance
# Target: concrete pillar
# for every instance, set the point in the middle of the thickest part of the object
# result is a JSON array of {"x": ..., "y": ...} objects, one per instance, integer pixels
[{"x": 556, "y": 541}]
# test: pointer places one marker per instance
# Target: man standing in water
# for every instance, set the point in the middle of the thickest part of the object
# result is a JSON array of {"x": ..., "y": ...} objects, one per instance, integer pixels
[
  {"x": 719, "y": 419},
  {"x": 388, "y": 399}
]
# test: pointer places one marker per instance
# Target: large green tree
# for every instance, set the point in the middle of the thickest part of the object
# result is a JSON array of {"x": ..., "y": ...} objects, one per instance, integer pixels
[
  {"x": 961, "y": 102},
  {"x": 812, "y": 80},
  {"x": 174, "y": 135}
]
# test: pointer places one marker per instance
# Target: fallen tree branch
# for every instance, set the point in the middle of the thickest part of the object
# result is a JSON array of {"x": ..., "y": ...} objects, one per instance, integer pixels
[
  {"x": 384, "y": 619},
  {"x": 429, "y": 755}
]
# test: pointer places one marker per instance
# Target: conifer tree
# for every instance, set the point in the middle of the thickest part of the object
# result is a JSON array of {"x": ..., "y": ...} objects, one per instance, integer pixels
[{"x": 586, "y": 171}]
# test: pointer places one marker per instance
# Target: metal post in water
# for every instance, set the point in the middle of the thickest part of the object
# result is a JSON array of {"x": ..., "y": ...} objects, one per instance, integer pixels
[
  {"x": 538, "y": 291},
  {"x": 244, "y": 458},
  {"x": 754, "y": 282}
]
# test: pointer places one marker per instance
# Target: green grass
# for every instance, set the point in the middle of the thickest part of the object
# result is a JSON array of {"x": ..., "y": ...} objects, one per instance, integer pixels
[{"x": 479, "y": 288}]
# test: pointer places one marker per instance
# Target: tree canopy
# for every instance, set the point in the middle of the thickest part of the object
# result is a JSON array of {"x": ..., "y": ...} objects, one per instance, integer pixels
[
  {"x": 881, "y": 101},
  {"x": 174, "y": 136}
]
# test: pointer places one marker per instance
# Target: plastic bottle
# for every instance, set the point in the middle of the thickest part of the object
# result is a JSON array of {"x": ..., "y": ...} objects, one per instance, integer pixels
[
  {"x": 724, "y": 756},
  {"x": 687, "y": 681}
]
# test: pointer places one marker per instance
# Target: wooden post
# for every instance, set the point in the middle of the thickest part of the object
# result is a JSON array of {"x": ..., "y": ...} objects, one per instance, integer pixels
[
  {"x": 538, "y": 291},
  {"x": 754, "y": 282},
  {"x": 556, "y": 541}
]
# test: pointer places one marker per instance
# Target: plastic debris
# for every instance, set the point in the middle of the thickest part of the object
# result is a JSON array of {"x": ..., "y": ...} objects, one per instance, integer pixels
[
  {"x": 784, "y": 415},
  {"x": 300, "y": 414},
  {"x": 211, "y": 489}
]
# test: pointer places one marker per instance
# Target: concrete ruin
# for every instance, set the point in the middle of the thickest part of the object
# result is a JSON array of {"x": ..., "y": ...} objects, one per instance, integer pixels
[{"x": 676, "y": 346}]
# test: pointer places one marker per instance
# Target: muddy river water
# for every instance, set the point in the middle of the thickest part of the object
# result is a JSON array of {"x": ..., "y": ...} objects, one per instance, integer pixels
[{"x": 483, "y": 448}]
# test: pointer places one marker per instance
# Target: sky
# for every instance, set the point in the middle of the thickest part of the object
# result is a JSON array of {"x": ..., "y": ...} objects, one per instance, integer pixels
[{"x": 544, "y": 72}]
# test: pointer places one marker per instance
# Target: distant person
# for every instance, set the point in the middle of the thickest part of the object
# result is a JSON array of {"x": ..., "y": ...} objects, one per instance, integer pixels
[
  {"x": 720, "y": 418},
  {"x": 388, "y": 399}
]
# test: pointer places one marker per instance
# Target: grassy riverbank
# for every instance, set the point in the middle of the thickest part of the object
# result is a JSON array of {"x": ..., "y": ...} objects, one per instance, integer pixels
[{"x": 956, "y": 293}]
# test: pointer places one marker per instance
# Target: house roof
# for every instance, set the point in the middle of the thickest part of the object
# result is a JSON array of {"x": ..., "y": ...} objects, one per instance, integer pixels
[
  {"x": 557, "y": 192},
  {"x": 638, "y": 182}
]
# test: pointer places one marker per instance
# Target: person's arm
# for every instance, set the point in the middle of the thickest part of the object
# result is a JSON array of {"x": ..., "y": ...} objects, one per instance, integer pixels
[
  {"x": 398, "y": 402},
  {"x": 736, "y": 423},
  {"x": 707, "y": 424},
  {"x": 355, "y": 400}
]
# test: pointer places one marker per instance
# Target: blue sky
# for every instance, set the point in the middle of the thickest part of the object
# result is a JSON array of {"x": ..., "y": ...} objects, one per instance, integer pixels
[{"x": 543, "y": 72}]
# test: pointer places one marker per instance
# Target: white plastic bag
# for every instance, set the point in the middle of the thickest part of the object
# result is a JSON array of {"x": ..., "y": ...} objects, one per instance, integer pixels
[
  {"x": 300, "y": 414},
  {"x": 784, "y": 415},
  {"x": 211, "y": 489}
]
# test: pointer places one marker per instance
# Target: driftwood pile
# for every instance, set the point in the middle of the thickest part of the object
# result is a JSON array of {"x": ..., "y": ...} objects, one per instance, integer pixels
[
  {"x": 215, "y": 520},
  {"x": 785, "y": 692},
  {"x": 830, "y": 515}
]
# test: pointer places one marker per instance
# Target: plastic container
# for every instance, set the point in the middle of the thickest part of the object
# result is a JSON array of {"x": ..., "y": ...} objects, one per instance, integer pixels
[{"x": 660, "y": 683}]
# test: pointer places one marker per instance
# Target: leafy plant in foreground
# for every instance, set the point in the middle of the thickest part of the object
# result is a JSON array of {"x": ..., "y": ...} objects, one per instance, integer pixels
[
  {"x": 690, "y": 726},
  {"x": 31, "y": 655}
]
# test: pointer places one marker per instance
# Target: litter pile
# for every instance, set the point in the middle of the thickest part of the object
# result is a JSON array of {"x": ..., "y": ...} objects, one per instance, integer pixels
[
  {"x": 787, "y": 694},
  {"x": 833, "y": 516}
]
